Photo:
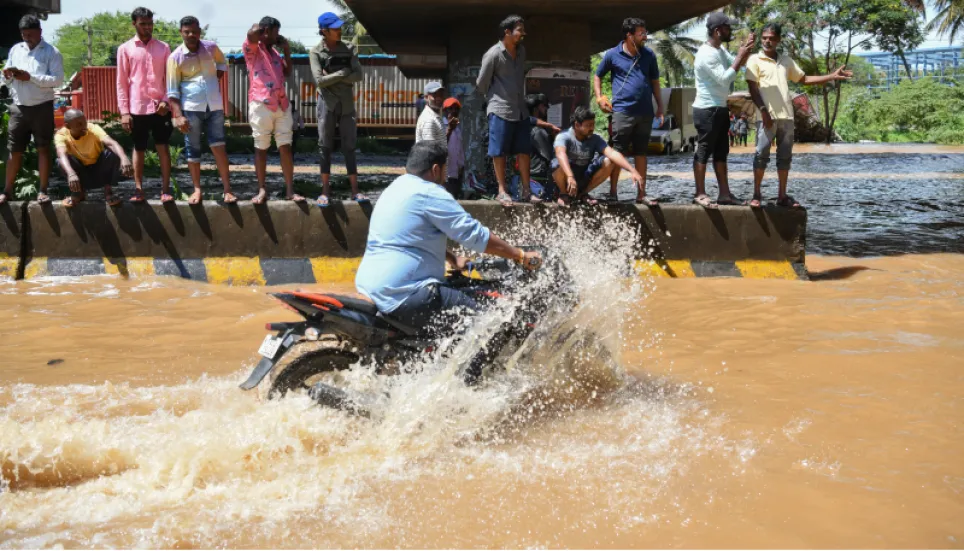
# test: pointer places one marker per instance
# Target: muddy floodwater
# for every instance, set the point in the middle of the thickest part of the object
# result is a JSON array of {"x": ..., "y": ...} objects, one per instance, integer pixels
[{"x": 736, "y": 413}]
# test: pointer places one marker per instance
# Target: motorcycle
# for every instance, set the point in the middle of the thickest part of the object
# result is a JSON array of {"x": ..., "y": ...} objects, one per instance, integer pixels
[{"x": 339, "y": 331}]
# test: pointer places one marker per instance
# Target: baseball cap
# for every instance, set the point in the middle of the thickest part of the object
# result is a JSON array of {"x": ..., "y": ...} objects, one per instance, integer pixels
[
  {"x": 433, "y": 87},
  {"x": 451, "y": 102},
  {"x": 718, "y": 19},
  {"x": 329, "y": 20}
]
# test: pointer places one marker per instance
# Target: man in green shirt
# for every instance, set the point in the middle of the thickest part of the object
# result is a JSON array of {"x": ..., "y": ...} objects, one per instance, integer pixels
[{"x": 336, "y": 69}]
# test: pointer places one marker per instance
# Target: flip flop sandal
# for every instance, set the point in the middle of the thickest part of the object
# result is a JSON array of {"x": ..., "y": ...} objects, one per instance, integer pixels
[
  {"x": 43, "y": 198},
  {"x": 756, "y": 202},
  {"x": 113, "y": 201},
  {"x": 69, "y": 203},
  {"x": 644, "y": 200},
  {"x": 3, "y": 198},
  {"x": 323, "y": 201},
  {"x": 535, "y": 199},
  {"x": 564, "y": 200},
  {"x": 705, "y": 202},
  {"x": 229, "y": 200},
  {"x": 138, "y": 197},
  {"x": 504, "y": 199},
  {"x": 730, "y": 200},
  {"x": 361, "y": 198},
  {"x": 297, "y": 198},
  {"x": 587, "y": 200},
  {"x": 259, "y": 199},
  {"x": 788, "y": 202},
  {"x": 167, "y": 198}
]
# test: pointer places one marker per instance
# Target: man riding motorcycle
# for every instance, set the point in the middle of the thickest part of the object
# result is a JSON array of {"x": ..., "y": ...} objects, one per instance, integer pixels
[{"x": 403, "y": 270}]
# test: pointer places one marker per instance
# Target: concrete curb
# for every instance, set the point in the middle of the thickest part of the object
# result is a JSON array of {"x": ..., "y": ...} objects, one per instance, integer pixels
[{"x": 285, "y": 243}]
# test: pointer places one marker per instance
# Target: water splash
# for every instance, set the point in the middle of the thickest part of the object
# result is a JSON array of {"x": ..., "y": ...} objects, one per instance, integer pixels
[{"x": 203, "y": 464}]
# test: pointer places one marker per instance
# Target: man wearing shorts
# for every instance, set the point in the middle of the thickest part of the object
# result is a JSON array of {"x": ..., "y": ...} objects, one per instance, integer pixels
[
  {"x": 715, "y": 70},
  {"x": 635, "y": 77},
  {"x": 269, "y": 110},
  {"x": 142, "y": 99},
  {"x": 502, "y": 82},
  {"x": 34, "y": 69},
  {"x": 583, "y": 160},
  {"x": 193, "y": 72}
]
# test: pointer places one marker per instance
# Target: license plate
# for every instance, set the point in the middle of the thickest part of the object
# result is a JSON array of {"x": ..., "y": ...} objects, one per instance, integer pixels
[{"x": 270, "y": 347}]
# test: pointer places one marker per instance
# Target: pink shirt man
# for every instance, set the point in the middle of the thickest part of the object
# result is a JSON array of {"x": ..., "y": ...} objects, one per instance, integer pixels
[
  {"x": 141, "y": 76},
  {"x": 266, "y": 78}
]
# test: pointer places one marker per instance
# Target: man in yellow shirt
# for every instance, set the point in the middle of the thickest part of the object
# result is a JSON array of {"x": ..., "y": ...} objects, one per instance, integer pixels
[
  {"x": 89, "y": 158},
  {"x": 767, "y": 74}
]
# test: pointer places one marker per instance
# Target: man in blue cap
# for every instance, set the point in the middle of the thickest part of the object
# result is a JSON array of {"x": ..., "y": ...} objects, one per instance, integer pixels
[{"x": 336, "y": 69}]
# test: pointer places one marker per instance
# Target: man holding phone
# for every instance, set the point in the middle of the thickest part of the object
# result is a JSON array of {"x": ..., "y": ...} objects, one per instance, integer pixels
[{"x": 34, "y": 70}]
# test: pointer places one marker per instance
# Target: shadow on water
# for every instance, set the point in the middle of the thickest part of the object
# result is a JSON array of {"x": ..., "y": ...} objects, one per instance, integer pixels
[{"x": 836, "y": 274}]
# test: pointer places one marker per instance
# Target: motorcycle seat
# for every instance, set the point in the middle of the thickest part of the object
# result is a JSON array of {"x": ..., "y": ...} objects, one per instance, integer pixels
[{"x": 357, "y": 304}]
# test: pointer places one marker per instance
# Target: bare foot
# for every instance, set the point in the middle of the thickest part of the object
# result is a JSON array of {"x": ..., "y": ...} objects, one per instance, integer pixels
[
  {"x": 229, "y": 198},
  {"x": 195, "y": 198}
]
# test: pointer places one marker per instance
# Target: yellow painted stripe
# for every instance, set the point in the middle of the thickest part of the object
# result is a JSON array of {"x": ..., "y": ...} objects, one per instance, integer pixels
[
  {"x": 127, "y": 267},
  {"x": 680, "y": 268},
  {"x": 333, "y": 270},
  {"x": 36, "y": 268},
  {"x": 234, "y": 271},
  {"x": 766, "y": 269},
  {"x": 651, "y": 268},
  {"x": 8, "y": 266}
]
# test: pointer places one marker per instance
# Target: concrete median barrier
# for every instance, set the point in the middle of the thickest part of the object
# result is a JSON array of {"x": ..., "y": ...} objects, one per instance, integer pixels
[
  {"x": 11, "y": 239},
  {"x": 285, "y": 243}
]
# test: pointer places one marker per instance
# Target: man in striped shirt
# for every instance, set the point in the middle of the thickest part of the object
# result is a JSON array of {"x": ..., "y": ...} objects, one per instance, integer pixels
[{"x": 430, "y": 126}]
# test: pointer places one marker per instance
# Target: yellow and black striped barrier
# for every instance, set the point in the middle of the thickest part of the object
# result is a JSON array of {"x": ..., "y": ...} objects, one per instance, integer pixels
[{"x": 284, "y": 243}]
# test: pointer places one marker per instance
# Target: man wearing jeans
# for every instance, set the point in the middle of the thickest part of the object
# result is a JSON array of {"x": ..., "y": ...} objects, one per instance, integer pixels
[
  {"x": 269, "y": 110},
  {"x": 193, "y": 71},
  {"x": 501, "y": 82},
  {"x": 715, "y": 69},
  {"x": 635, "y": 76},
  {"x": 767, "y": 74},
  {"x": 34, "y": 69},
  {"x": 142, "y": 99}
]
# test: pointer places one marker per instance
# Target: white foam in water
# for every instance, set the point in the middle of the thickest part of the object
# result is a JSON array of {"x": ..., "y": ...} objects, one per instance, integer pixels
[{"x": 205, "y": 464}]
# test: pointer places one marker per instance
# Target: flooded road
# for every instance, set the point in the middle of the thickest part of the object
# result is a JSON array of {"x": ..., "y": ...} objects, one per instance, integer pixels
[{"x": 752, "y": 414}]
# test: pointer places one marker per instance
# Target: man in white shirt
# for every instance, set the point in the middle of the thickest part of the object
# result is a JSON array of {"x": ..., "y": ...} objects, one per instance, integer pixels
[
  {"x": 715, "y": 70},
  {"x": 430, "y": 126},
  {"x": 33, "y": 71}
]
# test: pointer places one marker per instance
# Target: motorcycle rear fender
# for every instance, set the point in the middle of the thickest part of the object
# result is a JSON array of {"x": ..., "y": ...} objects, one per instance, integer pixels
[{"x": 288, "y": 339}]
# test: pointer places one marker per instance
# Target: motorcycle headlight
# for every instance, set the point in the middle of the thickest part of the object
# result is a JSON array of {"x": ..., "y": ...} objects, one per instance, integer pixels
[{"x": 312, "y": 334}]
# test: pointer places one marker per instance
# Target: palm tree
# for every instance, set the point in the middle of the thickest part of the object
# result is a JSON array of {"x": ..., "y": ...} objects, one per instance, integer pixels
[
  {"x": 676, "y": 51},
  {"x": 949, "y": 19}
]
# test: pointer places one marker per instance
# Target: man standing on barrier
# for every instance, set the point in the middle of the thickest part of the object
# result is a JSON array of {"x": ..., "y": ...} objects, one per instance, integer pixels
[
  {"x": 193, "y": 86},
  {"x": 34, "y": 69},
  {"x": 142, "y": 99},
  {"x": 269, "y": 109},
  {"x": 715, "y": 69},
  {"x": 336, "y": 69},
  {"x": 635, "y": 78}
]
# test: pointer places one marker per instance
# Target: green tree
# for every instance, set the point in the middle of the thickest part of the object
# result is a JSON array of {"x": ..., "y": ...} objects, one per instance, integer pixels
[
  {"x": 897, "y": 27},
  {"x": 107, "y": 32},
  {"x": 949, "y": 19},
  {"x": 675, "y": 52},
  {"x": 298, "y": 47},
  {"x": 919, "y": 111}
]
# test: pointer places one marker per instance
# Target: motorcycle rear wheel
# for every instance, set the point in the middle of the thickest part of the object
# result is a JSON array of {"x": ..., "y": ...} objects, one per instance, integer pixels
[{"x": 304, "y": 361}]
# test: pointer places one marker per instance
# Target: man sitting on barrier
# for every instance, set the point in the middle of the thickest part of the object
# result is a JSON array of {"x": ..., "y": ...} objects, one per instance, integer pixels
[
  {"x": 403, "y": 270},
  {"x": 89, "y": 158},
  {"x": 583, "y": 160}
]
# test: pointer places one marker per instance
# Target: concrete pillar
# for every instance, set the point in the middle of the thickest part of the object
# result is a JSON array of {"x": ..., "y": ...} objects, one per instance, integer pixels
[{"x": 550, "y": 42}]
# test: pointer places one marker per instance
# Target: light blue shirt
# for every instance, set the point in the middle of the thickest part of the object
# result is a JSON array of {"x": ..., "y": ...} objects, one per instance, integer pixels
[
  {"x": 46, "y": 68},
  {"x": 714, "y": 75},
  {"x": 409, "y": 229}
]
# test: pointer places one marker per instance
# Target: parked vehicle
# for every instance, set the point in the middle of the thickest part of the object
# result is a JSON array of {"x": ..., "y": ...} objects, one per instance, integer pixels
[{"x": 677, "y": 133}]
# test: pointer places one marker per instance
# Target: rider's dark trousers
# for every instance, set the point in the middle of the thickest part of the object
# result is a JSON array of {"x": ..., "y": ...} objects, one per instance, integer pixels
[{"x": 436, "y": 309}]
